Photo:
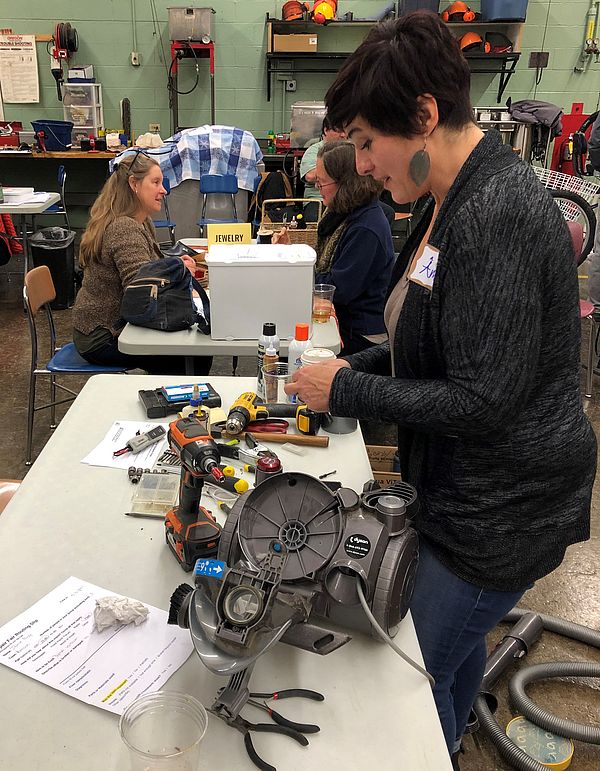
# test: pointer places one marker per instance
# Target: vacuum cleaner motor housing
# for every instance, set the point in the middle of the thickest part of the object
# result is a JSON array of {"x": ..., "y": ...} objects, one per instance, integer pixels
[{"x": 331, "y": 539}]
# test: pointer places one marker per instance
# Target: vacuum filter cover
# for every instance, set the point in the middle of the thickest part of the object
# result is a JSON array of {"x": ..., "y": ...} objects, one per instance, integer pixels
[{"x": 298, "y": 510}]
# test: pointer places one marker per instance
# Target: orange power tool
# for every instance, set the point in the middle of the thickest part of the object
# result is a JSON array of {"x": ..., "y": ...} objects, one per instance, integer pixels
[{"x": 191, "y": 531}]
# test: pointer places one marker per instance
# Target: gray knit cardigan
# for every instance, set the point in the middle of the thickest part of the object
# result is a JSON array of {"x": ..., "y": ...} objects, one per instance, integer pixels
[{"x": 487, "y": 389}]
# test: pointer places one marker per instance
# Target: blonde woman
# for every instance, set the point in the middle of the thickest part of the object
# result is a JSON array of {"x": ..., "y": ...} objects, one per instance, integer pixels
[{"x": 119, "y": 239}]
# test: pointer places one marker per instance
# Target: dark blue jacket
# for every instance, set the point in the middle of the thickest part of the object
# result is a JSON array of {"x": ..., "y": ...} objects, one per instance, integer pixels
[{"x": 361, "y": 271}]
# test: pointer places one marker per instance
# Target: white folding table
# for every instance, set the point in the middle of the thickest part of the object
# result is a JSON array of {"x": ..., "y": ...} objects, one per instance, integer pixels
[
  {"x": 22, "y": 214},
  {"x": 67, "y": 519},
  {"x": 141, "y": 341}
]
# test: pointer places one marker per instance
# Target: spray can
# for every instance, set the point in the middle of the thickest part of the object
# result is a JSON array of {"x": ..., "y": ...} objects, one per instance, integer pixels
[
  {"x": 299, "y": 344},
  {"x": 267, "y": 466},
  {"x": 267, "y": 338},
  {"x": 270, "y": 360}
]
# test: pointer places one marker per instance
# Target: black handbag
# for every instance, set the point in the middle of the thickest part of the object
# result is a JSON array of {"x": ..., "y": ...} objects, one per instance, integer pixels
[{"x": 160, "y": 297}]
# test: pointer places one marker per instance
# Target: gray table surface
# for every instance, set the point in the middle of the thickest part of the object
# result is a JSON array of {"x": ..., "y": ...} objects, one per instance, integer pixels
[
  {"x": 67, "y": 519},
  {"x": 189, "y": 342}
]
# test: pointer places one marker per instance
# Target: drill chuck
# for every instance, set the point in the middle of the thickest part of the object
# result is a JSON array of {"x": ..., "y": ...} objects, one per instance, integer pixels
[{"x": 237, "y": 420}]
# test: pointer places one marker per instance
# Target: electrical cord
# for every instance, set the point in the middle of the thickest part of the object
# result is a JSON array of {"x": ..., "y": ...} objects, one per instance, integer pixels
[
  {"x": 386, "y": 638},
  {"x": 170, "y": 84}
]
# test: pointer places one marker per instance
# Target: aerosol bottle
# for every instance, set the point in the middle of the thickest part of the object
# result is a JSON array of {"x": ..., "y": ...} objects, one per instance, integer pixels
[
  {"x": 268, "y": 338},
  {"x": 299, "y": 344}
]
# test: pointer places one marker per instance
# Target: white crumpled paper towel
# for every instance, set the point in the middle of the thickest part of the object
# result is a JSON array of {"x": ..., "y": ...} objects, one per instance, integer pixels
[{"x": 112, "y": 610}]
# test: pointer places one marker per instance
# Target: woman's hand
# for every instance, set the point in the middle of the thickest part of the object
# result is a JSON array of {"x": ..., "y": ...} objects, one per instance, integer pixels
[
  {"x": 312, "y": 383},
  {"x": 281, "y": 237},
  {"x": 190, "y": 263}
]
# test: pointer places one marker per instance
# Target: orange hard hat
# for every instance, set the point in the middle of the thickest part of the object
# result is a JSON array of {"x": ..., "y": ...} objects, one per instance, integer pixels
[
  {"x": 458, "y": 12},
  {"x": 472, "y": 40},
  {"x": 293, "y": 11}
]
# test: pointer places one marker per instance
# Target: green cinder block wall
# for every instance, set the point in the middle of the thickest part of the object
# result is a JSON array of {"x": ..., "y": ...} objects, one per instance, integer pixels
[{"x": 106, "y": 39}]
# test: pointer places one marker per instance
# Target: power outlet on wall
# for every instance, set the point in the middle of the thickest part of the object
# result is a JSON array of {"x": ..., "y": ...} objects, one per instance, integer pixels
[
  {"x": 136, "y": 59},
  {"x": 290, "y": 85},
  {"x": 154, "y": 128}
]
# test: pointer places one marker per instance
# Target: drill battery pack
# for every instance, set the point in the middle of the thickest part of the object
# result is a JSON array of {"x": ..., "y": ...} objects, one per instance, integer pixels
[
  {"x": 192, "y": 541},
  {"x": 157, "y": 405}
]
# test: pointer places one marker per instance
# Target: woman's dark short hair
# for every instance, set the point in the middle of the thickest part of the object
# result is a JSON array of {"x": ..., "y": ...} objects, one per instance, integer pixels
[
  {"x": 399, "y": 61},
  {"x": 353, "y": 190}
]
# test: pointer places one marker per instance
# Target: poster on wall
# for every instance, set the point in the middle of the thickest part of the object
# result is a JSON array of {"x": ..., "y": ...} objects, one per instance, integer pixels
[{"x": 18, "y": 69}]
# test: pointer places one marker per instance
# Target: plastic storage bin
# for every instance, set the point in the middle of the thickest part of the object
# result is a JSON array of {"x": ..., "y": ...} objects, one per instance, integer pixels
[
  {"x": 82, "y": 104},
  {"x": 503, "y": 10},
  {"x": 57, "y": 133},
  {"x": 256, "y": 283},
  {"x": 408, "y": 6},
  {"x": 55, "y": 248},
  {"x": 188, "y": 23}
]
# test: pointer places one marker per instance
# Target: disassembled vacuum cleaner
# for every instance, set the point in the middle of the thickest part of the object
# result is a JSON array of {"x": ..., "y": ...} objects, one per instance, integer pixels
[{"x": 293, "y": 556}]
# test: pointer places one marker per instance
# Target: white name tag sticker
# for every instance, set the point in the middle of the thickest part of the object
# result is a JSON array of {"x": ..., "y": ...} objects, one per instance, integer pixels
[{"x": 423, "y": 268}]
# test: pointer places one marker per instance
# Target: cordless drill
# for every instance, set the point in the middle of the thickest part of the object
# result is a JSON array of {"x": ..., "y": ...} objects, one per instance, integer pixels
[
  {"x": 248, "y": 407},
  {"x": 190, "y": 530}
]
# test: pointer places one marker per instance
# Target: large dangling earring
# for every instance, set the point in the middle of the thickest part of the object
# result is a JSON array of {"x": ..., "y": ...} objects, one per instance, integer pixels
[{"x": 419, "y": 166}]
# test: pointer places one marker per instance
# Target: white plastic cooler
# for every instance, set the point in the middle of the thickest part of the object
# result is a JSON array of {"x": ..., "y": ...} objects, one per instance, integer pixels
[{"x": 251, "y": 284}]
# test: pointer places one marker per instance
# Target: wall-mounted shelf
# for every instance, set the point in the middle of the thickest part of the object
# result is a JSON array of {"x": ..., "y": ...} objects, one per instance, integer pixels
[
  {"x": 503, "y": 65},
  {"x": 494, "y": 64},
  {"x": 300, "y": 63}
]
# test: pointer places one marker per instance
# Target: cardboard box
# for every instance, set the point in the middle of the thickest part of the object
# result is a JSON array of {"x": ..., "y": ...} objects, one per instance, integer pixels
[
  {"x": 297, "y": 44},
  {"x": 381, "y": 458}
]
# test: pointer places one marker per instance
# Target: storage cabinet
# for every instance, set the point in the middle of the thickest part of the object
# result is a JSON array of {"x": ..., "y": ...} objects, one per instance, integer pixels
[{"x": 82, "y": 104}]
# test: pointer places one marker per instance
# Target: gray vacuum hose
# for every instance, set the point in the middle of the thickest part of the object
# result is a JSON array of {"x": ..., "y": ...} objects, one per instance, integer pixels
[
  {"x": 507, "y": 748},
  {"x": 558, "y": 725}
]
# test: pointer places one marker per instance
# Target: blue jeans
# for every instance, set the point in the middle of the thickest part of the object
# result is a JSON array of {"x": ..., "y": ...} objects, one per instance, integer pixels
[{"x": 452, "y": 618}]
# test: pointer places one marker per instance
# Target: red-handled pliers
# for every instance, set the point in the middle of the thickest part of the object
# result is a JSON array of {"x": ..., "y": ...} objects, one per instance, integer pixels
[{"x": 268, "y": 426}]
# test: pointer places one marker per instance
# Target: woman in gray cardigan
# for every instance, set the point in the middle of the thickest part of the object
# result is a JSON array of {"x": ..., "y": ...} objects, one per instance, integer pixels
[{"x": 481, "y": 371}]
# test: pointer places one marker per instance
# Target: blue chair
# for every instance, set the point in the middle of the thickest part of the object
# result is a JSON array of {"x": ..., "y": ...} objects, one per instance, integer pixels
[
  {"x": 57, "y": 209},
  {"x": 219, "y": 185},
  {"x": 166, "y": 223},
  {"x": 38, "y": 293}
]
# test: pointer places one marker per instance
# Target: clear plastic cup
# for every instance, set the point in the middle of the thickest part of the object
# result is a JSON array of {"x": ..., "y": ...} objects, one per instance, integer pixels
[
  {"x": 275, "y": 377},
  {"x": 322, "y": 303},
  {"x": 163, "y": 731}
]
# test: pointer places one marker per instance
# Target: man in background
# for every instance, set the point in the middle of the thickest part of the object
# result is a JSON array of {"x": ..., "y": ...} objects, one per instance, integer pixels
[{"x": 308, "y": 166}]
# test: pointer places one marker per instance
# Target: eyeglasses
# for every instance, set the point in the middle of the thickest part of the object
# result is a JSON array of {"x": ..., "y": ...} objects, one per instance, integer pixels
[
  {"x": 151, "y": 153},
  {"x": 321, "y": 185}
]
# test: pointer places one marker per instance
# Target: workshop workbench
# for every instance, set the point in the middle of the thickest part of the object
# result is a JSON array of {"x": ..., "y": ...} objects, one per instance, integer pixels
[{"x": 67, "y": 519}]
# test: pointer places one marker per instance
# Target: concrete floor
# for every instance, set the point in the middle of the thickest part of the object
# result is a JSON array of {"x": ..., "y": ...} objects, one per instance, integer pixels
[{"x": 571, "y": 592}]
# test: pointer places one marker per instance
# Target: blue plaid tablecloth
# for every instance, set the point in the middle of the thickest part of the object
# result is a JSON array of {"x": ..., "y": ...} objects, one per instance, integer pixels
[{"x": 207, "y": 150}]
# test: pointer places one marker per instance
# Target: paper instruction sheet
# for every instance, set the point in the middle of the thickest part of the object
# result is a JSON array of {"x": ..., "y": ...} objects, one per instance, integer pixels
[
  {"x": 55, "y": 641},
  {"x": 18, "y": 69},
  {"x": 117, "y": 437}
]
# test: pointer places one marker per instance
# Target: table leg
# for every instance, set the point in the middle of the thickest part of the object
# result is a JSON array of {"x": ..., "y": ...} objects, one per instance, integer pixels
[
  {"x": 23, "y": 222},
  {"x": 189, "y": 365}
]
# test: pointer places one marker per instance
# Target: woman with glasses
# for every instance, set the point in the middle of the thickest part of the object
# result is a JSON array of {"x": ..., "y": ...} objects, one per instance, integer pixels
[
  {"x": 118, "y": 240},
  {"x": 481, "y": 373},
  {"x": 354, "y": 247}
]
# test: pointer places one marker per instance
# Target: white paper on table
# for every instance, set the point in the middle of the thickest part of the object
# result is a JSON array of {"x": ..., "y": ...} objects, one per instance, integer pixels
[
  {"x": 56, "y": 643},
  {"x": 117, "y": 437},
  {"x": 37, "y": 198},
  {"x": 18, "y": 69}
]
